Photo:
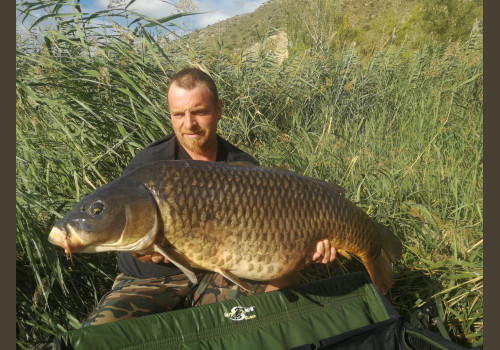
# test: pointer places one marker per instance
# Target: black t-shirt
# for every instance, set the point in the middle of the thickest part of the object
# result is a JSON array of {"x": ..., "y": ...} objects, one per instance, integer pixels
[{"x": 168, "y": 148}]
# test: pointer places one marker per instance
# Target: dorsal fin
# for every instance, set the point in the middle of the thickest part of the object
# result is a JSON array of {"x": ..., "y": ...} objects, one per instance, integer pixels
[
  {"x": 246, "y": 164},
  {"x": 332, "y": 186},
  {"x": 242, "y": 164}
]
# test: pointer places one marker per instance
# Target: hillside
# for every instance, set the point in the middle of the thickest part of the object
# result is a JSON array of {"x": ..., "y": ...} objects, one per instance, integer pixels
[
  {"x": 244, "y": 30},
  {"x": 371, "y": 24}
]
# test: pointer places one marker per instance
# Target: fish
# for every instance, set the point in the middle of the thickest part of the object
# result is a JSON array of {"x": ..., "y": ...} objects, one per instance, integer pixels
[{"x": 242, "y": 221}]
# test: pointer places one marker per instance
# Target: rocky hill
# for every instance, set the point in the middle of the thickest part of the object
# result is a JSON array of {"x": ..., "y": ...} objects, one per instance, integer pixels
[
  {"x": 369, "y": 23},
  {"x": 275, "y": 16}
]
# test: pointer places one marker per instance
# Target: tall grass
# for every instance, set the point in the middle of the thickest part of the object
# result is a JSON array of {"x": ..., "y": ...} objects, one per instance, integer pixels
[{"x": 400, "y": 130}]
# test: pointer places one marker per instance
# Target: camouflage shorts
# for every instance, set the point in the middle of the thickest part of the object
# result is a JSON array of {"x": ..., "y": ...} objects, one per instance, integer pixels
[{"x": 134, "y": 297}]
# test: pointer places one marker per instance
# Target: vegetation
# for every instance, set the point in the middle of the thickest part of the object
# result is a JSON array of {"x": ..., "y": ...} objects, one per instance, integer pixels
[
  {"x": 371, "y": 24},
  {"x": 399, "y": 126}
]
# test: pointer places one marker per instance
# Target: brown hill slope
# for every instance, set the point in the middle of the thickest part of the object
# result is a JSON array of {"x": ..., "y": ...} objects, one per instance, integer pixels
[
  {"x": 370, "y": 23},
  {"x": 242, "y": 31}
]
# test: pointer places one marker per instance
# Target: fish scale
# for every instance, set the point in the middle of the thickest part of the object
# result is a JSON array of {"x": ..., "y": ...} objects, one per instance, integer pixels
[
  {"x": 245, "y": 222},
  {"x": 278, "y": 209}
]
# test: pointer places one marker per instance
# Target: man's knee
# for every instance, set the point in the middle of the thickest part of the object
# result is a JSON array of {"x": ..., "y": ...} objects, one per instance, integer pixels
[{"x": 134, "y": 297}]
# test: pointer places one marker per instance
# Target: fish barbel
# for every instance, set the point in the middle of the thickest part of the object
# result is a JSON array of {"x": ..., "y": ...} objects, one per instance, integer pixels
[{"x": 241, "y": 221}]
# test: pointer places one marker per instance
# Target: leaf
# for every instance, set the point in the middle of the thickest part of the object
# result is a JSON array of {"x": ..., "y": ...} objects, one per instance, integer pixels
[
  {"x": 130, "y": 3},
  {"x": 131, "y": 83},
  {"x": 27, "y": 89},
  {"x": 48, "y": 42},
  {"x": 53, "y": 16},
  {"x": 154, "y": 22}
]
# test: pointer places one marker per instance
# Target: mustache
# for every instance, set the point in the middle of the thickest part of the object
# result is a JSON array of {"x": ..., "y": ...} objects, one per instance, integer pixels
[{"x": 190, "y": 131}]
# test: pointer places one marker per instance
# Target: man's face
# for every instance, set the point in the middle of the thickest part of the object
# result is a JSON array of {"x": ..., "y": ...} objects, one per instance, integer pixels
[{"x": 194, "y": 117}]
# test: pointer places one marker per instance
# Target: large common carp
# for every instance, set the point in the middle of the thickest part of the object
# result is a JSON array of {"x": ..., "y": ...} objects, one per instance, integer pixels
[{"x": 241, "y": 221}]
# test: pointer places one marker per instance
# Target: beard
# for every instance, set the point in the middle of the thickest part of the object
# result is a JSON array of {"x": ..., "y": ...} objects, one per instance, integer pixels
[{"x": 196, "y": 145}]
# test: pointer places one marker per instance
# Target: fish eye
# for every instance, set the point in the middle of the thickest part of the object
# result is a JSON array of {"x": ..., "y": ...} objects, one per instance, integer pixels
[{"x": 96, "y": 208}]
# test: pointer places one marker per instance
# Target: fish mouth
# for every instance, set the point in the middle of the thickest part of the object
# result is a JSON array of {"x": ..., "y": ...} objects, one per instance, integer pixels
[{"x": 63, "y": 239}]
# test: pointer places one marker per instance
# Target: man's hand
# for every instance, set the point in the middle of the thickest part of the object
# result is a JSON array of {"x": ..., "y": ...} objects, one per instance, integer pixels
[{"x": 324, "y": 252}]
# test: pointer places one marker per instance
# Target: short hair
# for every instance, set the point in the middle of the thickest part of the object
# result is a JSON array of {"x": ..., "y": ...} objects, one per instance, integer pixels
[{"x": 188, "y": 78}]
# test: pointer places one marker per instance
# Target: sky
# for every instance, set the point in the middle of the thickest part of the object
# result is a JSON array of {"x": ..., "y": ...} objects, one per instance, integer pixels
[{"x": 214, "y": 10}]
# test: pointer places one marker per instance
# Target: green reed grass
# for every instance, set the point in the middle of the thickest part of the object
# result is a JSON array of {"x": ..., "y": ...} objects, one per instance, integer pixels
[{"x": 400, "y": 130}]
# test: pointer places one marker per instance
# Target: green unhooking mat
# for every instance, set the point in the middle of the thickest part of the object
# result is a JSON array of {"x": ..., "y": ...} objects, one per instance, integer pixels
[{"x": 300, "y": 316}]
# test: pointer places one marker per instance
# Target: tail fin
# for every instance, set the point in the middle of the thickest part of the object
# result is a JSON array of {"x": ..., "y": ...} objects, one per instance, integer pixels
[
  {"x": 380, "y": 268},
  {"x": 391, "y": 246}
]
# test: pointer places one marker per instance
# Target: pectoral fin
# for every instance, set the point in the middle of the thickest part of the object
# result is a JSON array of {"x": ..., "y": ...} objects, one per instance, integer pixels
[
  {"x": 178, "y": 260},
  {"x": 344, "y": 254},
  {"x": 227, "y": 274}
]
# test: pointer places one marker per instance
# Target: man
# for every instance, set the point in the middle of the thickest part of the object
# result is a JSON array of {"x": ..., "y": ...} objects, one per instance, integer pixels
[{"x": 150, "y": 284}]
